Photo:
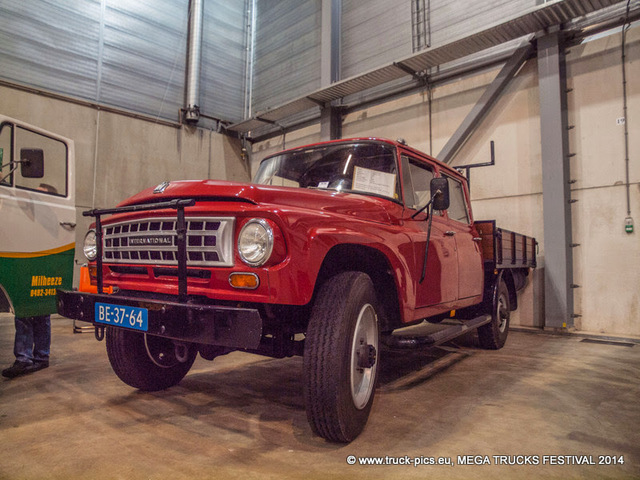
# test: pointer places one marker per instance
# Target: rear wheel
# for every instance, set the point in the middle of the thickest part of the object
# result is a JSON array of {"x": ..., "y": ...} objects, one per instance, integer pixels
[
  {"x": 148, "y": 362},
  {"x": 341, "y": 357},
  {"x": 493, "y": 335}
]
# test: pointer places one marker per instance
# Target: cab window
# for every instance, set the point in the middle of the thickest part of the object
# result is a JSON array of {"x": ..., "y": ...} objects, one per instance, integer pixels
[
  {"x": 417, "y": 178},
  {"x": 458, "y": 207},
  {"x": 54, "y": 181}
]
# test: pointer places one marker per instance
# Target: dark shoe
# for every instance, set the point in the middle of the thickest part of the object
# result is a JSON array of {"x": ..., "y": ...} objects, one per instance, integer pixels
[
  {"x": 39, "y": 365},
  {"x": 17, "y": 369}
]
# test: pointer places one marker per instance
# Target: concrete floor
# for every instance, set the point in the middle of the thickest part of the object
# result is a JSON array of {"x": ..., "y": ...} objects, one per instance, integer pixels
[{"x": 242, "y": 416}]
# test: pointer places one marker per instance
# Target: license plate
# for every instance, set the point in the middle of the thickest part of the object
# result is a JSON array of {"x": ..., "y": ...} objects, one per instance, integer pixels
[{"x": 122, "y": 316}]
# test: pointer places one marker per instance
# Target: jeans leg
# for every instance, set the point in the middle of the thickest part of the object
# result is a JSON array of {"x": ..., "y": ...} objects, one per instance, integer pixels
[
  {"x": 23, "y": 345},
  {"x": 41, "y": 338}
]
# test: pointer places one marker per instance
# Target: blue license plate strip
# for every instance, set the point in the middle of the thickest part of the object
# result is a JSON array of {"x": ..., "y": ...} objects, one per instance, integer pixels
[{"x": 122, "y": 316}]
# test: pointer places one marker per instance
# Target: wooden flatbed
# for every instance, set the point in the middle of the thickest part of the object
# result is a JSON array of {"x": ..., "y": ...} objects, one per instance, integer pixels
[{"x": 506, "y": 249}]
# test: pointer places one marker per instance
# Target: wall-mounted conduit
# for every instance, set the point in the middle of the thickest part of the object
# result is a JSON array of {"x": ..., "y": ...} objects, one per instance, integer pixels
[
  {"x": 625, "y": 27},
  {"x": 194, "y": 53}
]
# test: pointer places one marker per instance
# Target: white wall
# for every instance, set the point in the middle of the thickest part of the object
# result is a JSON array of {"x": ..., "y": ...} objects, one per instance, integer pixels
[{"x": 607, "y": 262}]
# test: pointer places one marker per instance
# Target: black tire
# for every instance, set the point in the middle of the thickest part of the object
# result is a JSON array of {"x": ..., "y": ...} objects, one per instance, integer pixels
[
  {"x": 341, "y": 357},
  {"x": 147, "y": 362},
  {"x": 493, "y": 335}
]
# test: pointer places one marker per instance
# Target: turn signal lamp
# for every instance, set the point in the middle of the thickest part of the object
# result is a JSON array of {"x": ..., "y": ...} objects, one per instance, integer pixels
[
  {"x": 87, "y": 275},
  {"x": 247, "y": 281}
]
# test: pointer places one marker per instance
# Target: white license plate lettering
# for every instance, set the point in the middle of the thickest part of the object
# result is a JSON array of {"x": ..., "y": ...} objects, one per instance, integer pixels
[{"x": 122, "y": 316}]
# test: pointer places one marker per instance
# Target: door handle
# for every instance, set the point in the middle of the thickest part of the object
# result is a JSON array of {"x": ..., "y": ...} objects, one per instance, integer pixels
[
  {"x": 68, "y": 225},
  {"x": 449, "y": 233}
]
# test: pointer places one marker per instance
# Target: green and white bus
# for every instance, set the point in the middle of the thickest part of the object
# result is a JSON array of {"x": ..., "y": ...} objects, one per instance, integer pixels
[{"x": 37, "y": 217}]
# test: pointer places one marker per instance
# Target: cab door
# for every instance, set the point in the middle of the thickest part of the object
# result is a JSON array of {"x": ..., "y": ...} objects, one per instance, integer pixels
[
  {"x": 37, "y": 217},
  {"x": 460, "y": 228},
  {"x": 440, "y": 284}
]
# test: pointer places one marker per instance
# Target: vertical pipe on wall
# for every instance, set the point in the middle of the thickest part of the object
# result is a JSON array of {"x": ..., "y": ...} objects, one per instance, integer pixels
[
  {"x": 103, "y": 9},
  {"x": 250, "y": 59},
  {"x": 95, "y": 160},
  {"x": 428, "y": 23},
  {"x": 430, "y": 99},
  {"x": 625, "y": 27},
  {"x": 194, "y": 53}
]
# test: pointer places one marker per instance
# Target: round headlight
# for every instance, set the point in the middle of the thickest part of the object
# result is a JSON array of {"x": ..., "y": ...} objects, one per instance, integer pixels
[
  {"x": 90, "y": 247},
  {"x": 255, "y": 242}
]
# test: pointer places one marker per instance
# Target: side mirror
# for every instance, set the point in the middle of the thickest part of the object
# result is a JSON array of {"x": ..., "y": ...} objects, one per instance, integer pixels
[
  {"x": 440, "y": 191},
  {"x": 32, "y": 162}
]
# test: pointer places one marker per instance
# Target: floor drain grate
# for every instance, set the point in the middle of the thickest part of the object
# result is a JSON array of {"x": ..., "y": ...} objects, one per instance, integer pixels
[{"x": 608, "y": 342}]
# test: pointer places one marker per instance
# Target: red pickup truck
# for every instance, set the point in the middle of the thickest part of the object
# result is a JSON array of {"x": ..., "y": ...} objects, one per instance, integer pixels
[{"x": 331, "y": 251}]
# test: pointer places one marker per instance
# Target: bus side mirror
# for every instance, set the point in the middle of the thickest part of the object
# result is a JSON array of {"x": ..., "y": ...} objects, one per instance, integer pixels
[{"x": 32, "y": 162}]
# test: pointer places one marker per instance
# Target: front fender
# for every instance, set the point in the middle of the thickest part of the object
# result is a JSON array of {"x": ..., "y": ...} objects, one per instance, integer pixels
[{"x": 309, "y": 249}]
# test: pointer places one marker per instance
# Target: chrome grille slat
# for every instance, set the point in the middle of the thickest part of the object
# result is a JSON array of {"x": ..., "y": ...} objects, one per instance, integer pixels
[{"x": 152, "y": 241}]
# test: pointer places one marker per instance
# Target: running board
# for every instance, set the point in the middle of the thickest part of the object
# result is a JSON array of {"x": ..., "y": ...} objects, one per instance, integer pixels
[{"x": 436, "y": 338}]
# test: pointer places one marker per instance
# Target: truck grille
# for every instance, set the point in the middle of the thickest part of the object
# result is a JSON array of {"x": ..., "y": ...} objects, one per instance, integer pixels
[{"x": 154, "y": 241}]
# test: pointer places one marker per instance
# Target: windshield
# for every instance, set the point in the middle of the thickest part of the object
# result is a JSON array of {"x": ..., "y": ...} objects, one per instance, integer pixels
[{"x": 364, "y": 167}]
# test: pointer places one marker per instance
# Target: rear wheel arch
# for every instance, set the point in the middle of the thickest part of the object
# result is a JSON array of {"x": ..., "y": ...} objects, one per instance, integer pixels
[
  {"x": 491, "y": 278},
  {"x": 507, "y": 277}
]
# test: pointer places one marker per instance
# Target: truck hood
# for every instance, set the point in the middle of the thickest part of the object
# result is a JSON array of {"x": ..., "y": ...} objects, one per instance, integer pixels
[{"x": 361, "y": 206}]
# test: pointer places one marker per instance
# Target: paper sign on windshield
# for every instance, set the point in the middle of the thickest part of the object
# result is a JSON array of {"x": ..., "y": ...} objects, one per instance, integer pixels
[{"x": 372, "y": 181}]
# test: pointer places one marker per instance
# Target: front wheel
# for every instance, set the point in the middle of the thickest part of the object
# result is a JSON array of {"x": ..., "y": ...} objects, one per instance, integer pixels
[
  {"x": 493, "y": 335},
  {"x": 148, "y": 362},
  {"x": 341, "y": 357}
]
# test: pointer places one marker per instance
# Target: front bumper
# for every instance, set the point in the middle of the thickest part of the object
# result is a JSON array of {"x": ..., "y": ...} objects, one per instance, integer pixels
[{"x": 238, "y": 328}]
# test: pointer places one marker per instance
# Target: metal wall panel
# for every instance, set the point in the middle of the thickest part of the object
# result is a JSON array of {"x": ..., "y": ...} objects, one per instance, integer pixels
[
  {"x": 126, "y": 54},
  {"x": 452, "y": 18},
  {"x": 374, "y": 32},
  {"x": 377, "y": 32},
  {"x": 224, "y": 51},
  {"x": 287, "y": 51},
  {"x": 131, "y": 54},
  {"x": 143, "y": 56},
  {"x": 51, "y": 44}
]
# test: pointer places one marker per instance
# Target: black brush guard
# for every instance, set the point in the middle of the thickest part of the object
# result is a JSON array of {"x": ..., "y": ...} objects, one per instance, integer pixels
[{"x": 179, "y": 320}]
